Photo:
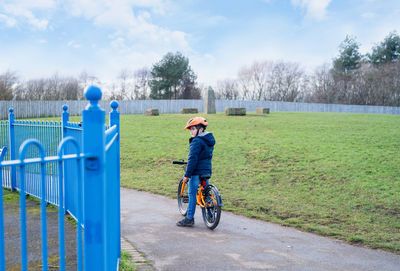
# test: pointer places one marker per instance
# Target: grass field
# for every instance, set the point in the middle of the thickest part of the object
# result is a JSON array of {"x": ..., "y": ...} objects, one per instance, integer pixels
[{"x": 333, "y": 174}]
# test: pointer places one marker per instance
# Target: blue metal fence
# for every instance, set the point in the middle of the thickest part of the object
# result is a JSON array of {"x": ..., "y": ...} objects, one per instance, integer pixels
[{"x": 74, "y": 166}]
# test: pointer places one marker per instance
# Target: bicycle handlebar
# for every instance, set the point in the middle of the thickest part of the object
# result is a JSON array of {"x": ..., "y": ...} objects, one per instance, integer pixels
[{"x": 182, "y": 162}]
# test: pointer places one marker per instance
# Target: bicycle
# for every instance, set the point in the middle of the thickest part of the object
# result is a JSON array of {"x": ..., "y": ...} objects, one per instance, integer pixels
[{"x": 208, "y": 198}]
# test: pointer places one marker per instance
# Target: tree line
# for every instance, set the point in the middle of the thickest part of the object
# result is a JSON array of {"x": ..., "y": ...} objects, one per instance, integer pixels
[
  {"x": 170, "y": 78},
  {"x": 351, "y": 78}
]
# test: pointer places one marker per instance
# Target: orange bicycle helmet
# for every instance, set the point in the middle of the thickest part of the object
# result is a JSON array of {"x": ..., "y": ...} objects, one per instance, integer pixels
[{"x": 196, "y": 121}]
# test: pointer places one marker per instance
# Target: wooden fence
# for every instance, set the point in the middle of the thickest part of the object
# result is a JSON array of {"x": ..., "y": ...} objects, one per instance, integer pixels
[{"x": 36, "y": 109}]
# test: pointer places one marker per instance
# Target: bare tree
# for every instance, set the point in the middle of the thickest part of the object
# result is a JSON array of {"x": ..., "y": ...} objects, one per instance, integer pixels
[
  {"x": 70, "y": 89},
  {"x": 34, "y": 90},
  {"x": 114, "y": 93},
  {"x": 227, "y": 89},
  {"x": 8, "y": 82},
  {"x": 53, "y": 88},
  {"x": 141, "y": 89},
  {"x": 322, "y": 85},
  {"x": 287, "y": 82},
  {"x": 85, "y": 80},
  {"x": 124, "y": 84},
  {"x": 280, "y": 81},
  {"x": 254, "y": 81},
  {"x": 386, "y": 84}
]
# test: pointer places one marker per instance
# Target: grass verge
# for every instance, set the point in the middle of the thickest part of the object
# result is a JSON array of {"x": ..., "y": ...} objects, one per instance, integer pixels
[{"x": 126, "y": 263}]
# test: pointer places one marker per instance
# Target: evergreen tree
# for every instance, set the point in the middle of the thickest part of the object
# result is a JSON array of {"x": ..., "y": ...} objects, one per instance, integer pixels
[
  {"x": 349, "y": 58},
  {"x": 171, "y": 78},
  {"x": 387, "y": 51}
]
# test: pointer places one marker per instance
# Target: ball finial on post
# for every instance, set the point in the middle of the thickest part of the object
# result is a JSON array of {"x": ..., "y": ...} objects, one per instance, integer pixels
[
  {"x": 93, "y": 94},
  {"x": 114, "y": 114},
  {"x": 65, "y": 116},
  {"x": 114, "y": 105}
]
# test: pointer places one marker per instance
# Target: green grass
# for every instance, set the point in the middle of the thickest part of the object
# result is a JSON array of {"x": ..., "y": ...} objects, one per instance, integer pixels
[
  {"x": 126, "y": 262},
  {"x": 9, "y": 196},
  {"x": 332, "y": 174}
]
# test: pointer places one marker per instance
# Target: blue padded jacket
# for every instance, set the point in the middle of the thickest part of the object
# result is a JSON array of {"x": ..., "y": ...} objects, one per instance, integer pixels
[{"x": 200, "y": 154}]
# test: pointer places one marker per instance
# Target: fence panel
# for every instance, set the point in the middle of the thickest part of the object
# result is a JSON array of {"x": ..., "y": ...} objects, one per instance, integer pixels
[
  {"x": 3, "y": 152},
  {"x": 74, "y": 130},
  {"x": 53, "y": 170},
  {"x": 34, "y": 109},
  {"x": 112, "y": 188},
  {"x": 4, "y": 138},
  {"x": 49, "y": 134}
]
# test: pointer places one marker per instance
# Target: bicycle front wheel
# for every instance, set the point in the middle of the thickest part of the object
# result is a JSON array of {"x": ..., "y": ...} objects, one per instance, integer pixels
[
  {"x": 212, "y": 210},
  {"x": 183, "y": 197}
]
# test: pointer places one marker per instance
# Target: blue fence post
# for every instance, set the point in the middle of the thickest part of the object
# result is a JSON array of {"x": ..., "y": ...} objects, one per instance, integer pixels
[
  {"x": 11, "y": 120},
  {"x": 2, "y": 246},
  {"x": 116, "y": 211},
  {"x": 93, "y": 118},
  {"x": 114, "y": 114},
  {"x": 65, "y": 119}
]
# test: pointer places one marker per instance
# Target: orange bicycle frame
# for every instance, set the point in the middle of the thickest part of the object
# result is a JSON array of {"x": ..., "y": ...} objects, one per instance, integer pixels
[{"x": 199, "y": 196}]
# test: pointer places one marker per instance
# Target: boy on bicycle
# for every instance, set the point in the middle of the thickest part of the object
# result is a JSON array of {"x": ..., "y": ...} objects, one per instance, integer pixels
[{"x": 201, "y": 146}]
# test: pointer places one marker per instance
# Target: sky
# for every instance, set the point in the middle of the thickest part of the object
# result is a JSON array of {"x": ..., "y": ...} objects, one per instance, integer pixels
[{"x": 103, "y": 37}]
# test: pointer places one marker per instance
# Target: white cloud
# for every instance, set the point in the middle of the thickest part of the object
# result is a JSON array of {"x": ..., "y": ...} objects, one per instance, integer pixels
[
  {"x": 316, "y": 9},
  {"x": 9, "y": 21},
  {"x": 115, "y": 13},
  {"x": 214, "y": 20},
  {"x": 23, "y": 11},
  {"x": 368, "y": 15},
  {"x": 73, "y": 44},
  {"x": 130, "y": 21}
]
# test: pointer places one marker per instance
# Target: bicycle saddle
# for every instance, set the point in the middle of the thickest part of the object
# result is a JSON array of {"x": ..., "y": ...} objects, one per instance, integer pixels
[{"x": 202, "y": 177}]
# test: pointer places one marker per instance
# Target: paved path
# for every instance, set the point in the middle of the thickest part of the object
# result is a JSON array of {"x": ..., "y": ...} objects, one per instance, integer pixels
[{"x": 238, "y": 243}]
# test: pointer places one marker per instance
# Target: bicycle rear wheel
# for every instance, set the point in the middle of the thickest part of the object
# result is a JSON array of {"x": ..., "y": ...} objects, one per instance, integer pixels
[
  {"x": 183, "y": 197},
  {"x": 212, "y": 211}
]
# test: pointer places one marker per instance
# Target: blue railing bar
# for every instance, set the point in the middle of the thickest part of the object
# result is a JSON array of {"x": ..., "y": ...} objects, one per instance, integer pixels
[
  {"x": 73, "y": 124},
  {"x": 61, "y": 218},
  {"x": 24, "y": 249},
  {"x": 11, "y": 134},
  {"x": 37, "y": 125},
  {"x": 75, "y": 218},
  {"x": 43, "y": 219},
  {"x": 36, "y": 196},
  {"x": 73, "y": 128},
  {"x": 60, "y": 150},
  {"x": 111, "y": 129},
  {"x": 79, "y": 220},
  {"x": 47, "y": 159},
  {"x": 2, "y": 250},
  {"x": 111, "y": 132},
  {"x": 111, "y": 142}
]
